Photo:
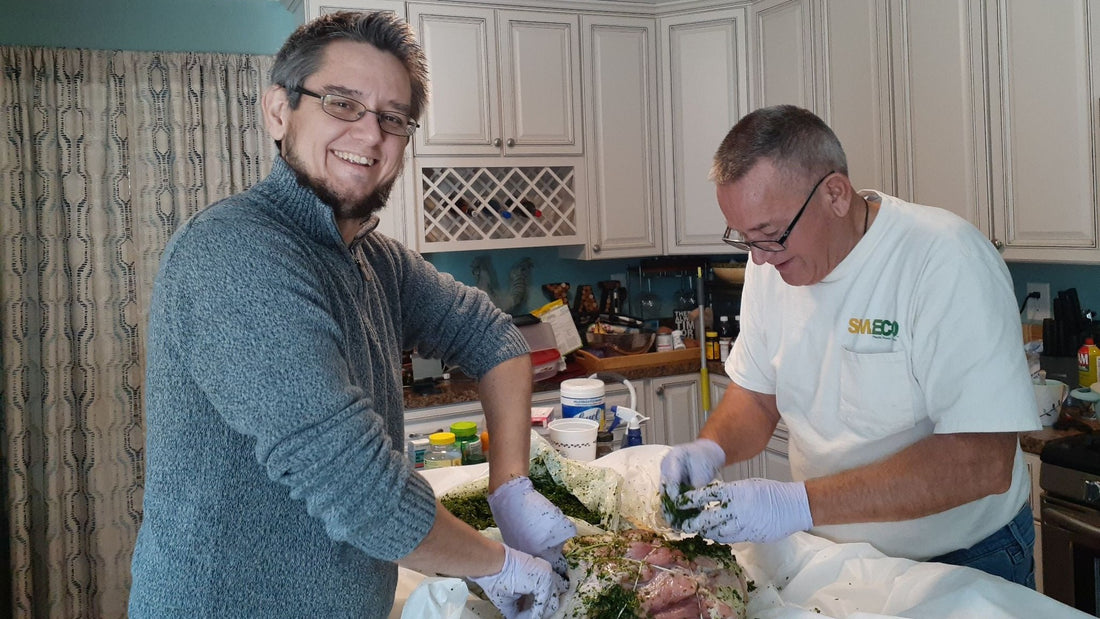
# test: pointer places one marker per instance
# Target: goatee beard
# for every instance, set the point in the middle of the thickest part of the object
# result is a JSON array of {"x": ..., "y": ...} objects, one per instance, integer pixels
[{"x": 360, "y": 209}]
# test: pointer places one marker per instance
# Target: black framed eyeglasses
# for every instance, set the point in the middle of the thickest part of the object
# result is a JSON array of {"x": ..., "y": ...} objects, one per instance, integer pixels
[
  {"x": 734, "y": 238},
  {"x": 350, "y": 110}
]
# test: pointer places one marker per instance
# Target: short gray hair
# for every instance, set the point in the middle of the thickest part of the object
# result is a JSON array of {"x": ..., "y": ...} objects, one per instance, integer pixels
[
  {"x": 793, "y": 139},
  {"x": 300, "y": 56}
]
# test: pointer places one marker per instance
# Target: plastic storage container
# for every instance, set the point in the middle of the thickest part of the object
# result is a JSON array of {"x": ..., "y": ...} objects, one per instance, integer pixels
[
  {"x": 468, "y": 442},
  {"x": 583, "y": 397},
  {"x": 442, "y": 451}
]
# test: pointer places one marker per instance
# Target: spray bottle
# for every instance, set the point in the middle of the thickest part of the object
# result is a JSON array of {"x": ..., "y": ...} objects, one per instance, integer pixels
[{"x": 633, "y": 420}]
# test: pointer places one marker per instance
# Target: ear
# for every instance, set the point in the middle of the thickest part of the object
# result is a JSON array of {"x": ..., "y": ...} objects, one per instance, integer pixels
[
  {"x": 838, "y": 189},
  {"x": 276, "y": 110}
]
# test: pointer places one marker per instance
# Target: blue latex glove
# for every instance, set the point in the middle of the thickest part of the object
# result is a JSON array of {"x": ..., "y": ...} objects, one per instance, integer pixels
[
  {"x": 526, "y": 587},
  {"x": 529, "y": 522},
  {"x": 752, "y": 510},
  {"x": 696, "y": 464}
]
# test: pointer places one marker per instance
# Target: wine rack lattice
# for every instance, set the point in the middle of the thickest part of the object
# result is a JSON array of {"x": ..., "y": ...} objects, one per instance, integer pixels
[{"x": 496, "y": 203}]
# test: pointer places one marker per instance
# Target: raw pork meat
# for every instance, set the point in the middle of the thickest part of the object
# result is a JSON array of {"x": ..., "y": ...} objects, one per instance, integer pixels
[{"x": 639, "y": 573}]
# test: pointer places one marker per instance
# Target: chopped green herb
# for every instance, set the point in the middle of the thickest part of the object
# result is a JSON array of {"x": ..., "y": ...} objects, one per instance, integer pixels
[
  {"x": 678, "y": 514},
  {"x": 473, "y": 509}
]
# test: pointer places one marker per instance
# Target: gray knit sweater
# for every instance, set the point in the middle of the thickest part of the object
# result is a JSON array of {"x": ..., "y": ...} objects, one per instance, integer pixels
[{"x": 275, "y": 482}]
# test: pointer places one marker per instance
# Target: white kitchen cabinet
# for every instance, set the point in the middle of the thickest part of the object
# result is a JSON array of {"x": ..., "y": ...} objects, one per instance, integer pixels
[
  {"x": 705, "y": 91},
  {"x": 675, "y": 410},
  {"x": 503, "y": 82},
  {"x": 833, "y": 59},
  {"x": 1044, "y": 87},
  {"x": 621, "y": 141},
  {"x": 1029, "y": 71},
  {"x": 942, "y": 105}
]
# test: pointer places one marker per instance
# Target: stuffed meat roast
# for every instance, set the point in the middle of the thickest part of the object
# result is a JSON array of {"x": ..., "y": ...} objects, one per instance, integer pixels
[{"x": 639, "y": 573}]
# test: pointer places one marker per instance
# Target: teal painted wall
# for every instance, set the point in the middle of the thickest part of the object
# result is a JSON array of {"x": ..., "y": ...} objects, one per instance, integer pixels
[{"x": 259, "y": 27}]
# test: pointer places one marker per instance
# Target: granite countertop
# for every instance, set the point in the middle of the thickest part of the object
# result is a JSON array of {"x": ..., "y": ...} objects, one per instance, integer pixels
[
  {"x": 461, "y": 388},
  {"x": 1070, "y": 423}
]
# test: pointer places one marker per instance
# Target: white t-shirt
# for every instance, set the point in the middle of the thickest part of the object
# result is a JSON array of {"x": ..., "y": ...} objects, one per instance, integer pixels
[{"x": 915, "y": 332}]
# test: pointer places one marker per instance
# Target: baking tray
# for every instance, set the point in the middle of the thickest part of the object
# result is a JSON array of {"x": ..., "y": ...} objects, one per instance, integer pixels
[{"x": 592, "y": 363}]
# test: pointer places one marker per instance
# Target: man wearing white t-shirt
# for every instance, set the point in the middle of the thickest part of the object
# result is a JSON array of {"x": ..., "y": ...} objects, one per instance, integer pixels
[{"x": 886, "y": 336}]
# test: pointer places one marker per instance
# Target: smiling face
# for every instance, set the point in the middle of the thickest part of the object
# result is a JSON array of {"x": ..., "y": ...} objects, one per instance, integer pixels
[
  {"x": 762, "y": 203},
  {"x": 350, "y": 165}
]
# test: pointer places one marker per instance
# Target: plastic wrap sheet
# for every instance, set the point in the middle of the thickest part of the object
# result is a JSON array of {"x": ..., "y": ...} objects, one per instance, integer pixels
[{"x": 805, "y": 576}]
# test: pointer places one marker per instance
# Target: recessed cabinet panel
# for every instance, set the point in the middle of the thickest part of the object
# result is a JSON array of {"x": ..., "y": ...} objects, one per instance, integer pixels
[
  {"x": 942, "y": 108},
  {"x": 463, "y": 108},
  {"x": 539, "y": 75},
  {"x": 784, "y": 59},
  {"x": 621, "y": 136},
  {"x": 1046, "y": 89},
  {"x": 706, "y": 86}
]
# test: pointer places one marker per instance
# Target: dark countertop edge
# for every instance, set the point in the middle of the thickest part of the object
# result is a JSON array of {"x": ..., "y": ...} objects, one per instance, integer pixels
[{"x": 460, "y": 388}]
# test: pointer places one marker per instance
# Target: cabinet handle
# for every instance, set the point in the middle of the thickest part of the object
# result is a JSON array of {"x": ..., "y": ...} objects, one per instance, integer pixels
[
  {"x": 511, "y": 142},
  {"x": 596, "y": 248},
  {"x": 496, "y": 142},
  {"x": 661, "y": 391}
]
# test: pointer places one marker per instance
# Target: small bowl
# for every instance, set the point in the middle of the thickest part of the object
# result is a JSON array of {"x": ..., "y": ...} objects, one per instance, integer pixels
[
  {"x": 730, "y": 274},
  {"x": 623, "y": 343}
]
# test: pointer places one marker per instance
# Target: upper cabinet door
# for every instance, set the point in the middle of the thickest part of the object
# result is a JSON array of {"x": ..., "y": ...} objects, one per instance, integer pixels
[
  {"x": 783, "y": 59},
  {"x": 620, "y": 103},
  {"x": 540, "y": 81},
  {"x": 940, "y": 96},
  {"x": 502, "y": 82},
  {"x": 1045, "y": 98},
  {"x": 705, "y": 88},
  {"x": 463, "y": 113}
]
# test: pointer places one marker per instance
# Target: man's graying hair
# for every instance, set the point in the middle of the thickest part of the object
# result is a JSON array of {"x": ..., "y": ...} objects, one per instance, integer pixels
[
  {"x": 792, "y": 138},
  {"x": 300, "y": 56}
]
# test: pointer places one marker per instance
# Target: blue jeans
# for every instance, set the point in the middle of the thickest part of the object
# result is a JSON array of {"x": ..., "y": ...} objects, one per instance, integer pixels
[{"x": 1008, "y": 552}]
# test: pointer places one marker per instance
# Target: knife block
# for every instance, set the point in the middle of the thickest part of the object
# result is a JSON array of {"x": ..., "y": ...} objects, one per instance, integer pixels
[{"x": 1060, "y": 368}]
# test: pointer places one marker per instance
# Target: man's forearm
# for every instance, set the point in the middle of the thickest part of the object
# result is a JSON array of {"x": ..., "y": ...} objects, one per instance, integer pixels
[
  {"x": 933, "y": 475},
  {"x": 742, "y": 423},
  {"x": 505, "y": 393}
]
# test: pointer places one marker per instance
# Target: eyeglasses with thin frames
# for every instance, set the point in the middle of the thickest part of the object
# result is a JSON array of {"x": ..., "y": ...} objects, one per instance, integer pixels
[
  {"x": 775, "y": 245},
  {"x": 350, "y": 110}
]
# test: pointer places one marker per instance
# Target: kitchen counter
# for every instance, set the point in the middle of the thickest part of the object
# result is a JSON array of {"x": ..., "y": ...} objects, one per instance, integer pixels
[
  {"x": 1033, "y": 442},
  {"x": 461, "y": 388}
]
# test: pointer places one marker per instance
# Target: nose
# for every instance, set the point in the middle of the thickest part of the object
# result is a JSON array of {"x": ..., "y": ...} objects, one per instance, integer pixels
[
  {"x": 759, "y": 257},
  {"x": 368, "y": 129}
]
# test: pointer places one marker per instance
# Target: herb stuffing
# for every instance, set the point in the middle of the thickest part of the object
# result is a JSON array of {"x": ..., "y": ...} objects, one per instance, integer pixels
[
  {"x": 473, "y": 508},
  {"x": 675, "y": 509}
]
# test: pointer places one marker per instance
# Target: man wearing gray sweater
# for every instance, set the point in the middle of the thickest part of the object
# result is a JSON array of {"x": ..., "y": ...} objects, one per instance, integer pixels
[{"x": 276, "y": 484}]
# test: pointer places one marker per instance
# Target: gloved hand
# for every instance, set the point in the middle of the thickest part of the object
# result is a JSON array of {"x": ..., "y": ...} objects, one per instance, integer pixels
[
  {"x": 531, "y": 523},
  {"x": 752, "y": 510},
  {"x": 695, "y": 464},
  {"x": 525, "y": 588}
]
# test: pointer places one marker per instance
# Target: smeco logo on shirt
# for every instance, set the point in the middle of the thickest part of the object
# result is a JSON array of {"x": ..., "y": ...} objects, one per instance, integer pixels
[{"x": 878, "y": 327}]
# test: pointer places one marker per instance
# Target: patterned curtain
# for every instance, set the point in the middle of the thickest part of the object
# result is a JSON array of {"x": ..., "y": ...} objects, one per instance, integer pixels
[{"x": 103, "y": 154}]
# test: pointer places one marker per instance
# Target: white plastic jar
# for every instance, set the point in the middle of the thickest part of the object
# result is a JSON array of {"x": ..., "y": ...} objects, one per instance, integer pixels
[{"x": 583, "y": 397}]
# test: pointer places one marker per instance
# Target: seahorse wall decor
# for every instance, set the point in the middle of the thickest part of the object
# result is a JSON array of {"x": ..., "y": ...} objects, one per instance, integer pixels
[{"x": 510, "y": 298}]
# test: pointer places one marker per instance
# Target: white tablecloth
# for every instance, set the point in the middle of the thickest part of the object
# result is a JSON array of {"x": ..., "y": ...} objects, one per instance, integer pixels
[{"x": 811, "y": 577}]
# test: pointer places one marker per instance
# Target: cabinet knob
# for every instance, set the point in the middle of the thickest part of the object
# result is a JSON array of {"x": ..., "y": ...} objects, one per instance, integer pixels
[
  {"x": 596, "y": 248},
  {"x": 496, "y": 142},
  {"x": 998, "y": 244},
  {"x": 661, "y": 390},
  {"x": 511, "y": 142}
]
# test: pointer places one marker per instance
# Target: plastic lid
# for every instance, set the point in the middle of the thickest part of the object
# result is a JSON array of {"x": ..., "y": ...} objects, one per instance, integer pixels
[
  {"x": 464, "y": 428},
  {"x": 582, "y": 388},
  {"x": 442, "y": 438},
  {"x": 1085, "y": 394}
]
